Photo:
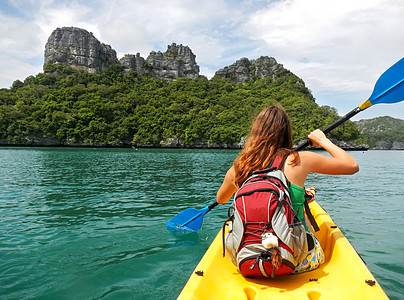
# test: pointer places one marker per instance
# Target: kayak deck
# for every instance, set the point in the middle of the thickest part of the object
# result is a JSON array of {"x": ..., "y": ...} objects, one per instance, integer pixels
[{"x": 343, "y": 275}]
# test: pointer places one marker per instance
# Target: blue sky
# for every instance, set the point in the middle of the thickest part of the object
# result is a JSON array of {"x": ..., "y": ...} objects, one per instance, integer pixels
[{"x": 338, "y": 47}]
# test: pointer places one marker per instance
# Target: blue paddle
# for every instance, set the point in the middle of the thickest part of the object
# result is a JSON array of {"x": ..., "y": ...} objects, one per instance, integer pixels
[
  {"x": 389, "y": 88},
  {"x": 189, "y": 219}
]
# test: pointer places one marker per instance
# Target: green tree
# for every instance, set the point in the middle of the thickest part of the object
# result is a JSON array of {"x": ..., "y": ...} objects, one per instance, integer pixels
[{"x": 114, "y": 108}]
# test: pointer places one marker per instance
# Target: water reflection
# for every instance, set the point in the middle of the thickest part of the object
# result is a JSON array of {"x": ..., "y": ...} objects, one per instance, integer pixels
[
  {"x": 76, "y": 186},
  {"x": 75, "y": 213},
  {"x": 86, "y": 223}
]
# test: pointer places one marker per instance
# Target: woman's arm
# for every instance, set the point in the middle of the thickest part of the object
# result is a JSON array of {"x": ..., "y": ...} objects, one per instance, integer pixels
[
  {"x": 340, "y": 162},
  {"x": 228, "y": 187}
]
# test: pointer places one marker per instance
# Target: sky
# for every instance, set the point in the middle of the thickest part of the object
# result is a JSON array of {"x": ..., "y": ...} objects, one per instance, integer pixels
[{"x": 338, "y": 47}]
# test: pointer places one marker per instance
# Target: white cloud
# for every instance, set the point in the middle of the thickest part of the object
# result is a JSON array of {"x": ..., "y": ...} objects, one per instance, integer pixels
[
  {"x": 337, "y": 47},
  {"x": 21, "y": 52},
  {"x": 13, "y": 69},
  {"x": 50, "y": 17},
  {"x": 152, "y": 25},
  {"x": 333, "y": 45},
  {"x": 18, "y": 39}
]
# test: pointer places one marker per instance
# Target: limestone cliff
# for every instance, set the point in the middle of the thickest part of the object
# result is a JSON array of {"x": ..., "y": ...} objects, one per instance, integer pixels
[
  {"x": 78, "y": 49},
  {"x": 133, "y": 63},
  {"x": 245, "y": 69},
  {"x": 177, "y": 61}
]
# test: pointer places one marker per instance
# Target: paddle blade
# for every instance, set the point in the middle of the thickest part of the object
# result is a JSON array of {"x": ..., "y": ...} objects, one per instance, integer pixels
[
  {"x": 188, "y": 220},
  {"x": 389, "y": 87}
]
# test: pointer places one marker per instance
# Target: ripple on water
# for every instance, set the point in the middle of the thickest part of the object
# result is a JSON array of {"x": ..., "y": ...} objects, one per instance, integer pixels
[{"x": 90, "y": 223}]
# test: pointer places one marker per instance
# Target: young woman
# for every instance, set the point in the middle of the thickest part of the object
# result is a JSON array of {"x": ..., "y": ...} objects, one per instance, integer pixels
[{"x": 271, "y": 135}]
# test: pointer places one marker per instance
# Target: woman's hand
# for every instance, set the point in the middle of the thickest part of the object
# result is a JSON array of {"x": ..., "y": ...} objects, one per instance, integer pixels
[
  {"x": 339, "y": 164},
  {"x": 318, "y": 138}
]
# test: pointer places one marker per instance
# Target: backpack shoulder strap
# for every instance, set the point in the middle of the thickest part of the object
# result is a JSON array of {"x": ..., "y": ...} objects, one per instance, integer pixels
[
  {"x": 307, "y": 199},
  {"x": 278, "y": 162}
]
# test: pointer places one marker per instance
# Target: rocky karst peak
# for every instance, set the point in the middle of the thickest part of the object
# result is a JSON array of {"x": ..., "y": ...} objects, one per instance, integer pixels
[
  {"x": 78, "y": 49},
  {"x": 177, "y": 61},
  {"x": 245, "y": 69}
]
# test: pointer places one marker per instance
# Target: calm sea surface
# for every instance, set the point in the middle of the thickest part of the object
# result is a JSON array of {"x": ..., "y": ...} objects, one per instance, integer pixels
[{"x": 90, "y": 223}]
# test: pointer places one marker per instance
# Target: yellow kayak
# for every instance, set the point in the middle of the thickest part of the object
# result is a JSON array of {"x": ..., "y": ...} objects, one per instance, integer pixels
[{"x": 343, "y": 275}]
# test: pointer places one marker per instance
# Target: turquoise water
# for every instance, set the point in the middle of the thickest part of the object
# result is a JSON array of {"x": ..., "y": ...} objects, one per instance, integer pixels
[{"x": 90, "y": 223}]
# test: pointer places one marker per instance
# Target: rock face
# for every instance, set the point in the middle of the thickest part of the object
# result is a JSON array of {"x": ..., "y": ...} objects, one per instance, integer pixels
[
  {"x": 383, "y": 133},
  {"x": 78, "y": 49},
  {"x": 350, "y": 146},
  {"x": 383, "y": 145},
  {"x": 133, "y": 63},
  {"x": 177, "y": 61},
  {"x": 245, "y": 69}
]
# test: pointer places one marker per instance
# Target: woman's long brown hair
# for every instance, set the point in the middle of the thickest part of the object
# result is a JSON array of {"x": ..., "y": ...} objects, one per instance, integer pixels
[{"x": 270, "y": 135}]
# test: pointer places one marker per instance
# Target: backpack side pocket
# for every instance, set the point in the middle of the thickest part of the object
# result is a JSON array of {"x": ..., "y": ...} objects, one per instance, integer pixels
[{"x": 234, "y": 236}]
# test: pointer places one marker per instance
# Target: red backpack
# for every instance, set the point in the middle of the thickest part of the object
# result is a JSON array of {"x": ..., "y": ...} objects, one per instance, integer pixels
[{"x": 265, "y": 237}]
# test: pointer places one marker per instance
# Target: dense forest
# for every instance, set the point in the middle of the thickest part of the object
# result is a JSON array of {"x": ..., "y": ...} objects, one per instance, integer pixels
[{"x": 66, "y": 106}]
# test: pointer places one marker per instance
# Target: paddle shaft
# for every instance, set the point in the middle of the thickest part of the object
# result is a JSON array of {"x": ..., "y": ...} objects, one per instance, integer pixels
[
  {"x": 330, "y": 127},
  {"x": 388, "y": 85},
  {"x": 349, "y": 115},
  {"x": 389, "y": 88},
  {"x": 213, "y": 205},
  {"x": 326, "y": 130}
]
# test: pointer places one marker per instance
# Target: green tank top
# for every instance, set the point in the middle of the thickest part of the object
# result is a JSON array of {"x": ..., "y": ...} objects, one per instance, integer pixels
[{"x": 297, "y": 196}]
